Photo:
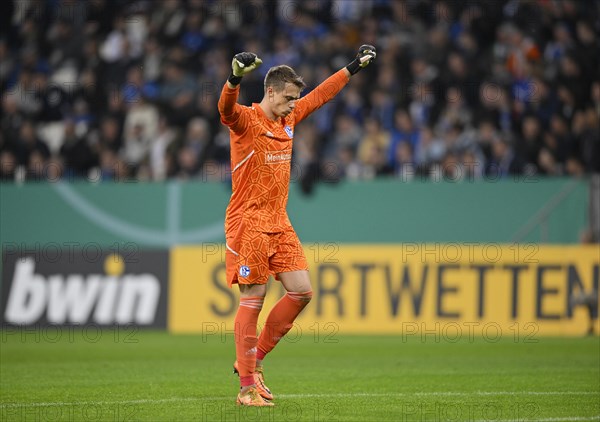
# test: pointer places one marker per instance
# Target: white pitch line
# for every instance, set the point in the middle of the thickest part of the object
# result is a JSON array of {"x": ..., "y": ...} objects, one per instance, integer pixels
[
  {"x": 299, "y": 396},
  {"x": 559, "y": 419},
  {"x": 447, "y": 393},
  {"x": 109, "y": 403}
]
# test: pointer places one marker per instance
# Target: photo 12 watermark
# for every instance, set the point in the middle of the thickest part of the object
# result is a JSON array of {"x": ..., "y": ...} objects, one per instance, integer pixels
[
  {"x": 318, "y": 411},
  {"x": 70, "y": 334},
  {"x": 469, "y": 331},
  {"x": 316, "y": 332},
  {"x": 71, "y": 412}
]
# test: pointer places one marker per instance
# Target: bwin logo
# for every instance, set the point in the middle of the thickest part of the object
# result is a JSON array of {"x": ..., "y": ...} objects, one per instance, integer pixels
[{"x": 78, "y": 299}]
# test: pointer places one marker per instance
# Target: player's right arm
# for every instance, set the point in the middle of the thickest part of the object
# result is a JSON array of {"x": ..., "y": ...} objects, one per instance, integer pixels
[{"x": 231, "y": 112}]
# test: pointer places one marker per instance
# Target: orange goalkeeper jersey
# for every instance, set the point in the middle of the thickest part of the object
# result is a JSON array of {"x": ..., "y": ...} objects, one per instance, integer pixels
[{"x": 261, "y": 152}]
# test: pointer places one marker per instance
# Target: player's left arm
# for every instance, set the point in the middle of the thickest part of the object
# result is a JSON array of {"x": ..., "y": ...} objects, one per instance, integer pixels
[{"x": 330, "y": 87}]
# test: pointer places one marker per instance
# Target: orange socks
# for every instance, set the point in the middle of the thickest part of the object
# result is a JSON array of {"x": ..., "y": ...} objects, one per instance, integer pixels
[
  {"x": 245, "y": 337},
  {"x": 280, "y": 320},
  {"x": 247, "y": 347}
]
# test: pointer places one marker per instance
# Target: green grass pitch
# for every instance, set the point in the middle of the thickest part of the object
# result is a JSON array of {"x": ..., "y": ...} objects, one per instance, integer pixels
[{"x": 107, "y": 375}]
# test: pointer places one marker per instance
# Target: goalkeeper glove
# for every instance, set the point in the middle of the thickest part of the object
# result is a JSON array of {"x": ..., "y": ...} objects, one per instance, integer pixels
[
  {"x": 366, "y": 54},
  {"x": 242, "y": 64}
]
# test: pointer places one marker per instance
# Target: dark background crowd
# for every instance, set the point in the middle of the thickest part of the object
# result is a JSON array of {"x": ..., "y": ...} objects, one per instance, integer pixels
[{"x": 127, "y": 90}]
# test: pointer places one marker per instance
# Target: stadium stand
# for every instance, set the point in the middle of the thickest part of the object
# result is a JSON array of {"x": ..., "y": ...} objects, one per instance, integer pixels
[{"x": 114, "y": 89}]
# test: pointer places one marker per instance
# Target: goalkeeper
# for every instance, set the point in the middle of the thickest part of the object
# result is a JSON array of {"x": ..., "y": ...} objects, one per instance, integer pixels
[{"x": 260, "y": 239}]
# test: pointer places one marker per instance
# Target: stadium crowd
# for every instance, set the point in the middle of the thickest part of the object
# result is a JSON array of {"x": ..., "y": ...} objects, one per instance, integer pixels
[{"x": 127, "y": 90}]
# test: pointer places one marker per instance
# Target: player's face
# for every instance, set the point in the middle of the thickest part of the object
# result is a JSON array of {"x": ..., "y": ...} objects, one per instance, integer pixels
[{"x": 284, "y": 101}]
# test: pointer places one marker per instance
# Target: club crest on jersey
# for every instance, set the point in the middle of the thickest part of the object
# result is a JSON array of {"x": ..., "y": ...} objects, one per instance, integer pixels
[
  {"x": 244, "y": 271},
  {"x": 289, "y": 131}
]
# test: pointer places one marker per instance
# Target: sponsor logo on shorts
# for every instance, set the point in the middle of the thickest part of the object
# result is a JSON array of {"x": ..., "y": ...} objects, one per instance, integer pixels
[
  {"x": 277, "y": 157},
  {"x": 244, "y": 271}
]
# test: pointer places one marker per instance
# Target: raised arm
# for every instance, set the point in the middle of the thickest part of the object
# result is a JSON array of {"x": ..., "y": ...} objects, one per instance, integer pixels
[
  {"x": 316, "y": 98},
  {"x": 330, "y": 87},
  {"x": 231, "y": 112}
]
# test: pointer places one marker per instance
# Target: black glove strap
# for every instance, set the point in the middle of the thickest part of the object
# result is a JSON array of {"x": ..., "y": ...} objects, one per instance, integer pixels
[
  {"x": 354, "y": 66},
  {"x": 234, "y": 80}
]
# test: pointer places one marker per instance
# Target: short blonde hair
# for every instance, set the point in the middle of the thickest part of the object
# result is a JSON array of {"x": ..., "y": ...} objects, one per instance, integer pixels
[{"x": 278, "y": 76}]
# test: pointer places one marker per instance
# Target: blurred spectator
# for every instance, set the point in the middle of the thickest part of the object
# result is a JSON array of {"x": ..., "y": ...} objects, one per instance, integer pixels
[
  {"x": 114, "y": 47},
  {"x": 382, "y": 109},
  {"x": 494, "y": 106},
  {"x": 7, "y": 64},
  {"x": 473, "y": 165},
  {"x": 588, "y": 42},
  {"x": 64, "y": 42},
  {"x": 595, "y": 100},
  {"x": 404, "y": 131},
  {"x": 561, "y": 42},
  {"x": 283, "y": 52},
  {"x": 349, "y": 167},
  {"x": 167, "y": 19},
  {"x": 547, "y": 163},
  {"x": 193, "y": 39},
  {"x": 109, "y": 134},
  {"x": 111, "y": 167},
  {"x": 430, "y": 149},
  {"x": 153, "y": 57},
  {"x": 558, "y": 139},
  {"x": 221, "y": 146},
  {"x": 90, "y": 91},
  {"x": 503, "y": 162},
  {"x": 29, "y": 143},
  {"x": 567, "y": 102},
  {"x": 531, "y": 141},
  {"x": 485, "y": 136},
  {"x": 374, "y": 142},
  {"x": 25, "y": 93},
  {"x": 8, "y": 165},
  {"x": 306, "y": 166},
  {"x": 456, "y": 110},
  {"x": 457, "y": 138},
  {"x": 158, "y": 158},
  {"x": 523, "y": 51},
  {"x": 451, "y": 168},
  {"x": 347, "y": 134},
  {"x": 11, "y": 120},
  {"x": 79, "y": 158},
  {"x": 54, "y": 169},
  {"x": 197, "y": 139},
  {"x": 177, "y": 90},
  {"x": 37, "y": 167},
  {"x": 543, "y": 102},
  {"x": 374, "y": 162},
  {"x": 460, "y": 75},
  {"x": 574, "y": 167},
  {"x": 404, "y": 161},
  {"x": 589, "y": 141},
  {"x": 137, "y": 146},
  {"x": 187, "y": 164},
  {"x": 570, "y": 74},
  {"x": 141, "y": 119},
  {"x": 193, "y": 150}
]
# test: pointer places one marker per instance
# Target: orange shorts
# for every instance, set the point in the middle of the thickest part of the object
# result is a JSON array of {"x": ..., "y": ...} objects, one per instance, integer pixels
[{"x": 255, "y": 255}]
